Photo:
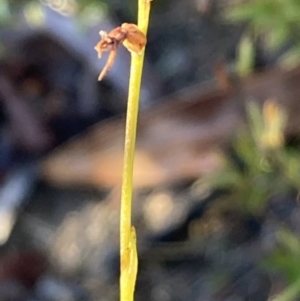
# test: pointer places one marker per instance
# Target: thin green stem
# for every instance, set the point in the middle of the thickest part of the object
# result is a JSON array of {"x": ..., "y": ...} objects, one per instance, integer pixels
[
  {"x": 130, "y": 138},
  {"x": 128, "y": 252},
  {"x": 137, "y": 61}
]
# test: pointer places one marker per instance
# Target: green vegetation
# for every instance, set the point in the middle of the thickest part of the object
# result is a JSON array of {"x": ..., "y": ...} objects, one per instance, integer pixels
[
  {"x": 276, "y": 23},
  {"x": 286, "y": 259},
  {"x": 264, "y": 167}
]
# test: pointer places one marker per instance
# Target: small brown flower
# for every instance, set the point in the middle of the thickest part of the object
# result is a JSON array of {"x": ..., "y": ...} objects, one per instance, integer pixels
[{"x": 128, "y": 34}]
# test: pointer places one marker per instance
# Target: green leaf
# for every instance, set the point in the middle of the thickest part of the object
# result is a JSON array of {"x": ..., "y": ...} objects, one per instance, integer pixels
[{"x": 246, "y": 56}]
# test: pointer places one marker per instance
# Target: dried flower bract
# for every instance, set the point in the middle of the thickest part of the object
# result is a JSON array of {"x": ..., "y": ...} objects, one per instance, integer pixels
[{"x": 128, "y": 34}]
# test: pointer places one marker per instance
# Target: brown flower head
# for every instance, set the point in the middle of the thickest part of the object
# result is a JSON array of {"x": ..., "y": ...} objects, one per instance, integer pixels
[{"x": 128, "y": 34}]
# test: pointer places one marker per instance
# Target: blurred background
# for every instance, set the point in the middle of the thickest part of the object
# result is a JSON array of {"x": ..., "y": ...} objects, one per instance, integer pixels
[{"x": 217, "y": 168}]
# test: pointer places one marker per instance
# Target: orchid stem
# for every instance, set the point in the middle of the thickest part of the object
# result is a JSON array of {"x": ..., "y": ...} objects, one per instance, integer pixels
[{"x": 128, "y": 252}]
